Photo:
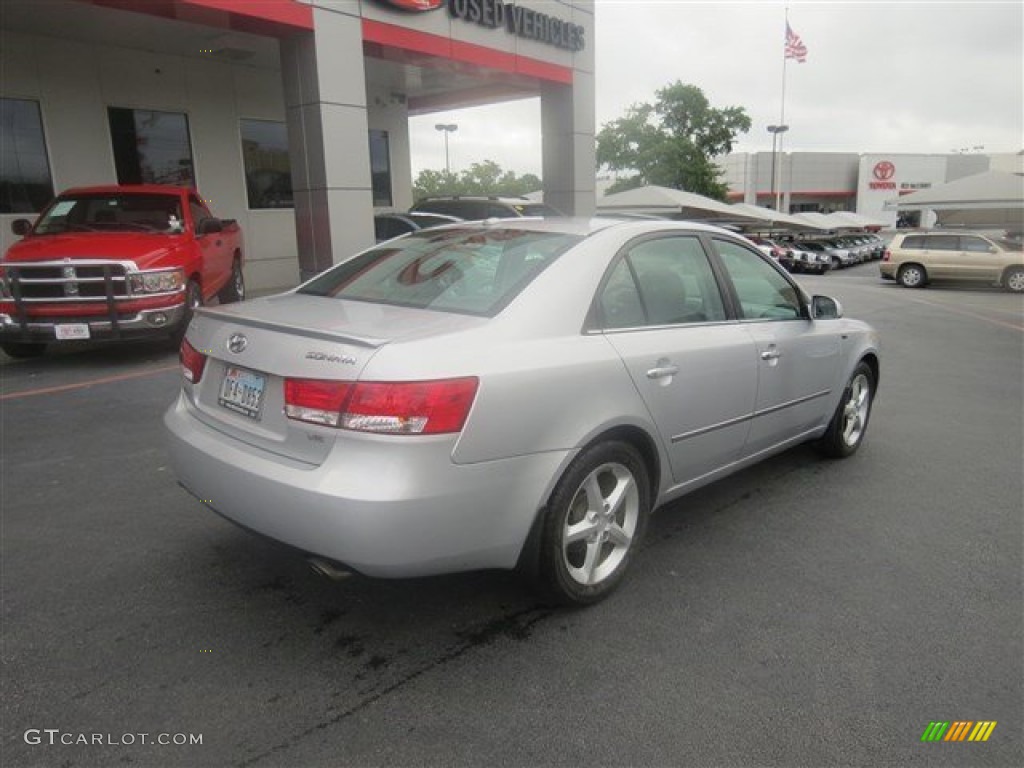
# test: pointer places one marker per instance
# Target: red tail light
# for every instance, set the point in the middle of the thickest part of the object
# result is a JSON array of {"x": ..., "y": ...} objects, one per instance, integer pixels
[
  {"x": 887, "y": 255},
  {"x": 403, "y": 408},
  {"x": 192, "y": 362},
  {"x": 315, "y": 400}
]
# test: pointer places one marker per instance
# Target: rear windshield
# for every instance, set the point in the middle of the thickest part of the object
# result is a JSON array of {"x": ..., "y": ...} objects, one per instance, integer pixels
[
  {"x": 474, "y": 271},
  {"x": 112, "y": 213}
]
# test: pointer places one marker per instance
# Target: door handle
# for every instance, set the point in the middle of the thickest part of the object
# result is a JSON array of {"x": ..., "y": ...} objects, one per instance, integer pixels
[{"x": 663, "y": 371}]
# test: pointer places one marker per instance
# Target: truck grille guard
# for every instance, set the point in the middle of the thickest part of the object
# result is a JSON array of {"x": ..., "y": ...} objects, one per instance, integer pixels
[{"x": 82, "y": 281}]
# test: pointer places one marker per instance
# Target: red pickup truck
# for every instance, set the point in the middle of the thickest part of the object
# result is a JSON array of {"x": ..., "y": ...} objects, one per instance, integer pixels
[{"x": 115, "y": 262}]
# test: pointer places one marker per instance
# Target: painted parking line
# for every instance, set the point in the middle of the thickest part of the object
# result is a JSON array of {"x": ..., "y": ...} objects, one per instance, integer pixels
[
  {"x": 88, "y": 383},
  {"x": 976, "y": 316}
]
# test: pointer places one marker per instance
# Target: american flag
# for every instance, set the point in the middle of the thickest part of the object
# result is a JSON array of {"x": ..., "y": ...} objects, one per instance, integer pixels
[{"x": 795, "y": 48}]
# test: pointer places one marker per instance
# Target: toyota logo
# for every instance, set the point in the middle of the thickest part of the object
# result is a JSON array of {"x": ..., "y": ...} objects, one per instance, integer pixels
[
  {"x": 884, "y": 170},
  {"x": 237, "y": 343},
  {"x": 415, "y": 5}
]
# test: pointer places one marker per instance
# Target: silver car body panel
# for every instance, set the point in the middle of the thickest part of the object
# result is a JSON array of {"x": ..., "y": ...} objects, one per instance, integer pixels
[{"x": 392, "y": 505}]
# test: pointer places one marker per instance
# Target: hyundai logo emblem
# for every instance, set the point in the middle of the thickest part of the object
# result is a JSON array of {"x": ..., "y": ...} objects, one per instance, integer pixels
[{"x": 237, "y": 343}]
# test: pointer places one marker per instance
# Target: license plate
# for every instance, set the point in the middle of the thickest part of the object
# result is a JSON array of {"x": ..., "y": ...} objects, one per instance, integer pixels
[
  {"x": 71, "y": 331},
  {"x": 242, "y": 391}
]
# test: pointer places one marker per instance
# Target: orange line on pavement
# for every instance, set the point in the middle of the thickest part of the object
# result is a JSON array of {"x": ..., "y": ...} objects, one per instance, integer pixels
[
  {"x": 984, "y": 318},
  {"x": 85, "y": 384}
]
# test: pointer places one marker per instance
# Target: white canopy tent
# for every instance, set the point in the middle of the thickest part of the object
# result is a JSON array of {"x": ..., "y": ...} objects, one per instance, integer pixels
[
  {"x": 851, "y": 220},
  {"x": 677, "y": 203},
  {"x": 775, "y": 220},
  {"x": 993, "y": 199}
]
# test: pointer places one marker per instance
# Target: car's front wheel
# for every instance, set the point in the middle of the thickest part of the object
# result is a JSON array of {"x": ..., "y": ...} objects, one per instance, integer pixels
[
  {"x": 193, "y": 300},
  {"x": 846, "y": 431},
  {"x": 912, "y": 276},
  {"x": 594, "y": 523}
]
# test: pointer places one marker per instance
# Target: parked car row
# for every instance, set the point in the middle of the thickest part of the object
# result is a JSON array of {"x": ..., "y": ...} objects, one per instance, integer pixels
[{"x": 820, "y": 254}]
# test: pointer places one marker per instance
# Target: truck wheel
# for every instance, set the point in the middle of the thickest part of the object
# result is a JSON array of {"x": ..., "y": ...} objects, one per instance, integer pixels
[
  {"x": 193, "y": 300},
  {"x": 23, "y": 349},
  {"x": 234, "y": 289}
]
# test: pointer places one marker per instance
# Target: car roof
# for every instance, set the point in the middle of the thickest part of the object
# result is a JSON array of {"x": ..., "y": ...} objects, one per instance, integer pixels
[
  {"x": 116, "y": 189},
  {"x": 584, "y": 227}
]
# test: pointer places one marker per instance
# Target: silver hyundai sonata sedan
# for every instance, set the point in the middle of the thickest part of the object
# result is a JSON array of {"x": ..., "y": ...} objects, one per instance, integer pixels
[{"x": 510, "y": 394}]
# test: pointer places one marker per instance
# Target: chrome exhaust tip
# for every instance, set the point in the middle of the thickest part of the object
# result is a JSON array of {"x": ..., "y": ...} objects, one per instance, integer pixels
[{"x": 327, "y": 569}]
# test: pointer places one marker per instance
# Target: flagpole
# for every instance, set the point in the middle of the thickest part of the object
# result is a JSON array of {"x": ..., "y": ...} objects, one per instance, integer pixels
[{"x": 776, "y": 182}]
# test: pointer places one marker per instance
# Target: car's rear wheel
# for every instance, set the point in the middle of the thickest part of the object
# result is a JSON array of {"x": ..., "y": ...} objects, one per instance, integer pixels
[
  {"x": 234, "y": 289},
  {"x": 23, "y": 349},
  {"x": 912, "y": 276},
  {"x": 850, "y": 421},
  {"x": 594, "y": 523},
  {"x": 1013, "y": 280}
]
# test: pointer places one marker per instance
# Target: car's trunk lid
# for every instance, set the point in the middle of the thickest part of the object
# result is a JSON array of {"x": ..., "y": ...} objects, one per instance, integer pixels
[{"x": 252, "y": 347}]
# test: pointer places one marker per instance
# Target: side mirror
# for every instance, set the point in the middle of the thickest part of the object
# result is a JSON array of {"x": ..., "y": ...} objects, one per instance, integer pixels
[
  {"x": 21, "y": 227},
  {"x": 825, "y": 308},
  {"x": 210, "y": 227}
]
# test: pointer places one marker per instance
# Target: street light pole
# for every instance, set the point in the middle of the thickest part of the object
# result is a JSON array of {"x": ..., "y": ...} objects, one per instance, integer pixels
[
  {"x": 446, "y": 128},
  {"x": 775, "y": 130}
]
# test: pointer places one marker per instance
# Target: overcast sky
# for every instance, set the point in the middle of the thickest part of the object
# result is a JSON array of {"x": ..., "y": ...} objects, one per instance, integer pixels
[{"x": 879, "y": 77}]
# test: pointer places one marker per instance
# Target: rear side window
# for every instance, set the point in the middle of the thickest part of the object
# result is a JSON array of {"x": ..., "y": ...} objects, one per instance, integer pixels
[
  {"x": 468, "y": 271},
  {"x": 667, "y": 281},
  {"x": 943, "y": 243},
  {"x": 913, "y": 242}
]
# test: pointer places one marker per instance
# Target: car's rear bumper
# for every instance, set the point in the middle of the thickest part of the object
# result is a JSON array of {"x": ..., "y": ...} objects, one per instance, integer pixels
[
  {"x": 887, "y": 270},
  {"x": 385, "y": 506}
]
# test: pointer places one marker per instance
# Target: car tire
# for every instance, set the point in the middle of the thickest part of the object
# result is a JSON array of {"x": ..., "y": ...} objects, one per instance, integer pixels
[
  {"x": 912, "y": 276},
  {"x": 846, "y": 430},
  {"x": 1013, "y": 280},
  {"x": 23, "y": 350},
  {"x": 193, "y": 300},
  {"x": 593, "y": 524},
  {"x": 836, "y": 263},
  {"x": 234, "y": 290}
]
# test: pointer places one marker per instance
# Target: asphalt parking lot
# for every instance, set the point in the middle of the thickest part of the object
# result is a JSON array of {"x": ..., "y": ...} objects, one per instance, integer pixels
[{"x": 803, "y": 612}]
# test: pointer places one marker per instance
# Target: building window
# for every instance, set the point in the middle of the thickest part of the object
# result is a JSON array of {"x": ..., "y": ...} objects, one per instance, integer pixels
[
  {"x": 268, "y": 170},
  {"x": 151, "y": 147},
  {"x": 380, "y": 167},
  {"x": 25, "y": 182}
]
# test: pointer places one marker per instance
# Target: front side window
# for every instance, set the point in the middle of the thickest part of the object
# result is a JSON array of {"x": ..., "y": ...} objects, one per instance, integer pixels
[
  {"x": 974, "y": 244},
  {"x": 268, "y": 170},
  {"x": 468, "y": 271},
  {"x": 25, "y": 182},
  {"x": 151, "y": 147},
  {"x": 665, "y": 281},
  {"x": 763, "y": 293}
]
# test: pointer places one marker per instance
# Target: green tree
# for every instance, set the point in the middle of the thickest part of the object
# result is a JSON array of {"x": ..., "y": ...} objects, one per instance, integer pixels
[
  {"x": 671, "y": 143},
  {"x": 486, "y": 178}
]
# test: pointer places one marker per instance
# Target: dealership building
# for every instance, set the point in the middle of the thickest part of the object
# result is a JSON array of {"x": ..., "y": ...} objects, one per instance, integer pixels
[
  {"x": 841, "y": 181},
  {"x": 291, "y": 116}
]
